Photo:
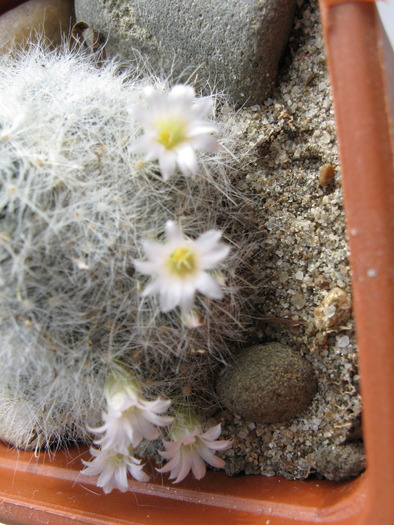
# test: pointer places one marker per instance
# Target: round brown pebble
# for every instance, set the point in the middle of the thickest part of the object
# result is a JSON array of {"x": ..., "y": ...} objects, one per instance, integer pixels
[
  {"x": 326, "y": 174},
  {"x": 268, "y": 383},
  {"x": 33, "y": 19}
]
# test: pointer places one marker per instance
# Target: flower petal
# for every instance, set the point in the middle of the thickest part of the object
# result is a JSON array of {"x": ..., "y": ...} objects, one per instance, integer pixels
[
  {"x": 152, "y": 288},
  {"x": 174, "y": 233},
  {"x": 212, "y": 433},
  {"x": 145, "y": 267},
  {"x": 160, "y": 421},
  {"x": 202, "y": 107},
  {"x": 167, "y": 164},
  {"x": 185, "y": 464},
  {"x": 121, "y": 478},
  {"x": 158, "y": 405},
  {"x": 211, "y": 259},
  {"x": 208, "y": 240},
  {"x": 187, "y": 298},
  {"x": 137, "y": 472},
  {"x": 207, "y": 285},
  {"x": 154, "y": 250},
  {"x": 182, "y": 94},
  {"x": 210, "y": 458},
  {"x": 170, "y": 295},
  {"x": 173, "y": 464},
  {"x": 198, "y": 467},
  {"x": 147, "y": 147},
  {"x": 205, "y": 142},
  {"x": 106, "y": 475},
  {"x": 154, "y": 98},
  {"x": 143, "y": 429},
  {"x": 187, "y": 160},
  {"x": 201, "y": 128},
  {"x": 223, "y": 444},
  {"x": 171, "y": 447}
]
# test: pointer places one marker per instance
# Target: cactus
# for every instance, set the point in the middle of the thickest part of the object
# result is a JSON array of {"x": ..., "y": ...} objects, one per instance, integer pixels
[{"x": 77, "y": 203}]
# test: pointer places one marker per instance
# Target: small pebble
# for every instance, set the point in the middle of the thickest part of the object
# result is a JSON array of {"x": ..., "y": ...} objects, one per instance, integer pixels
[
  {"x": 326, "y": 174},
  {"x": 343, "y": 341},
  {"x": 334, "y": 309}
]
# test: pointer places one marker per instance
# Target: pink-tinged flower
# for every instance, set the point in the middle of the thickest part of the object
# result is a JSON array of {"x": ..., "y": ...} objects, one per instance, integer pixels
[
  {"x": 191, "y": 450},
  {"x": 178, "y": 267},
  {"x": 175, "y": 127},
  {"x": 130, "y": 418},
  {"x": 112, "y": 469}
]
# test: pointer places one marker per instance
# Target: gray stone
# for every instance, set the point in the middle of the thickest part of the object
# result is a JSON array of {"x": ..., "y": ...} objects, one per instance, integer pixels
[
  {"x": 267, "y": 384},
  {"x": 232, "y": 46}
]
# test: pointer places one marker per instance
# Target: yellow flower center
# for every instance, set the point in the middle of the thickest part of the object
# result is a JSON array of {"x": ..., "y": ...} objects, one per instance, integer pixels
[
  {"x": 170, "y": 132},
  {"x": 117, "y": 459},
  {"x": 182, "y": 261}
]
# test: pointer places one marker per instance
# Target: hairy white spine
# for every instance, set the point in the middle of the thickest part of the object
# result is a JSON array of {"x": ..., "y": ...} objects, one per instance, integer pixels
[{"x": 76, "y": 203}]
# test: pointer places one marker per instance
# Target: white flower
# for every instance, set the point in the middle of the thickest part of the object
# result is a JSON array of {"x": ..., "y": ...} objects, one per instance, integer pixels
[
  {"x": 174, "y": 129},
  {"x": 178, "y": 267},
  {"x": 112, "y": 469},
  {"x": 130, "y": 418},
  {"x": 191, "y": 450}
]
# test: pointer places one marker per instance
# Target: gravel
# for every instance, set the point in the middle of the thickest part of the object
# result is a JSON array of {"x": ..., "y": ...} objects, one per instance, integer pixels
[{"x": 285, "y": 146}]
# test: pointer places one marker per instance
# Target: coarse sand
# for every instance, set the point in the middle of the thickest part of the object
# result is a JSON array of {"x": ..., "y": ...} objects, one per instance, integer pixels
[{"x": 291, "y": 171}]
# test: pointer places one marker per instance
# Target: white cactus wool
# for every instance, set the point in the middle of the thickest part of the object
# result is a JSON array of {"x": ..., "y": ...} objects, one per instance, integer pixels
[{"x": 85, "y": 193}]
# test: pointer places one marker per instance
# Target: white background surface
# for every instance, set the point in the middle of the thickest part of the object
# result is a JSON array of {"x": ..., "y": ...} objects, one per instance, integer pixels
[{"x": 386, "y": 11}]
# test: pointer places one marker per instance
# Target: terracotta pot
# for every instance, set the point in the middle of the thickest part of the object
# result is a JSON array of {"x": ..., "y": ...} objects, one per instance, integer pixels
[{"x": 50, "y": 490}]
